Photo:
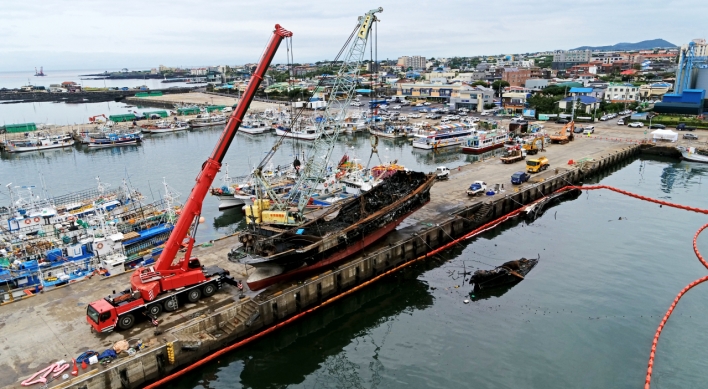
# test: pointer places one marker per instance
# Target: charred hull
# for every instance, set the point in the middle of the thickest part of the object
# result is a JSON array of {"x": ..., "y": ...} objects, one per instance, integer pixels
[
  {"x": 508, "y": 273},
  {"x": 336, "y": 235}
]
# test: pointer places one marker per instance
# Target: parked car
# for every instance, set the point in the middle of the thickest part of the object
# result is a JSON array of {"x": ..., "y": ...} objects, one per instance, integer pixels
[
  {"x": 477, "y": 188},
  {"x": 589, "y": 130},
  {"x": 684, "y": 127},
  {"x": 414, "y": 116},
  {"x": 620, "y": 122},
  {"x": 519, "y": 178},
  {"x": 442, "y": 173},
  {"x": 419, "y": 105},
  {"x": 578, "y": 130},
  {"x": 690, "y": 136},
  {"x": 657, "y": 126},
  {"x": 426, "y": 103},
  {"x": 396, "y": 107},
  {"x": 562, "y": 121},
  {"x": 604, "y": 117},
  {"x": 636, "y": 124}
]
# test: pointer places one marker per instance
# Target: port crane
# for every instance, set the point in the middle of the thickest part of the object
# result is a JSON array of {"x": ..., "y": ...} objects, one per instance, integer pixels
[
  {"x": 328, "y": 129},
  {"x": 158, "y": 287}
]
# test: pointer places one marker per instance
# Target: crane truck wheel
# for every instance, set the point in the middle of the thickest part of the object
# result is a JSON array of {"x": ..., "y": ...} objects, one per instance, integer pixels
[
  {"x": 154, "y": 310},
  {"x": 126, "y": 321},
  {"x": 209, "y": 290},
  {"x": 194, "y": 295},
  {"x": 170, "y": 305}
]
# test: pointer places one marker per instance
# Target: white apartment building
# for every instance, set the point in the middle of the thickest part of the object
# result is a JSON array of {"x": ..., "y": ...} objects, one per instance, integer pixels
[
  {"x": 581, "y": 56},
  {"x": 415, "y": 62},
  {"x": 620, "y": 93}
]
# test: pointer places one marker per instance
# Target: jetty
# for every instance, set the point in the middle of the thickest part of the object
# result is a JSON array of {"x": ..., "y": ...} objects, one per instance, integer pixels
[{"x": 41, "y": 329}]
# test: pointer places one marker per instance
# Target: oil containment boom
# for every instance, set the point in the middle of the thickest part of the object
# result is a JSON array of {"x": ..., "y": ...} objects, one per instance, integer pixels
[{"x": 157, "y": 288}]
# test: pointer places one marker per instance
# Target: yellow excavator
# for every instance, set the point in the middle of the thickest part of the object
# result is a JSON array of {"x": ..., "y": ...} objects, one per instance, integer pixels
[
  {"x": 565, "y": 135},
  {"x": 532, "y": 146}
]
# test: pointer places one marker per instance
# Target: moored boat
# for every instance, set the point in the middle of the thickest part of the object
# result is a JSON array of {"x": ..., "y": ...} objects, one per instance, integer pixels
[
  {"x": 206, "y": 120},
  {"x": 39, "y": 142},
  {"x": 111, "y": 140},
  {"x": 693, "y": 154},
  {"x": 483, "y": 141},
  {"x": 442, "y": 139}
]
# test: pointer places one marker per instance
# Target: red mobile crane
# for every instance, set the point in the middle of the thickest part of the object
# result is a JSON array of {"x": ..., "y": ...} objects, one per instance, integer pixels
[
  {"x": 158, "y": 287},
  {"x": 93, "y": 119}
]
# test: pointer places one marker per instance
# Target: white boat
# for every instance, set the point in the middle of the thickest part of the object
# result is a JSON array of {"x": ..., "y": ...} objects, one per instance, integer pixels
[
  {"x": 39, "y": 142},
  {"x": 165, "y": 126},
  {"x": 439, "y": 140},
  {"x": 692, "y": 154},
  {"x": 483, "y": 141},
  {"x": 206, "y": 120},
  {"x": 254, "y": 127},
  {"x": 306, "y": 133}
]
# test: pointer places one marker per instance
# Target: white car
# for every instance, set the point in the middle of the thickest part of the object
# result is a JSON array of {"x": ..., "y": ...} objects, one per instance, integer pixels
[
  {"x": 419, "y": 105},
  {"x": 414, "y": 116},
  {"x": 445, "y": 121},
  {"x": 636, "y": 124},
  {"x": 589, "y": 130},
  {"x": 396, "y": 107},
  {"x": 403, "y": 118},
  {"x": 426, "y": 103},
  {"x": 605, "y": 117},
  {"x": 429, "y": 116},
  {"x": 620, "y": 122},
  {"x": 455, "y": 117},
  {"x": 355, "y": 104}
]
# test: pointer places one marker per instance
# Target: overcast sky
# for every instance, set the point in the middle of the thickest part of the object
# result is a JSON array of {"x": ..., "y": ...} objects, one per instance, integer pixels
[{"x": 111, "y": 35}]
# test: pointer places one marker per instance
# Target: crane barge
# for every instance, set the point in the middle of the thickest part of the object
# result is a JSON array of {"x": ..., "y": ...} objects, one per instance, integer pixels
[{"x": 159, "y": 287}]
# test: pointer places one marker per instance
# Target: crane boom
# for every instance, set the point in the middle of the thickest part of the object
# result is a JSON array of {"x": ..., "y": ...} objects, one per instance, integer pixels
[
  {"x": 193, "y": 207},
  {"x": 315, "y": 166}
]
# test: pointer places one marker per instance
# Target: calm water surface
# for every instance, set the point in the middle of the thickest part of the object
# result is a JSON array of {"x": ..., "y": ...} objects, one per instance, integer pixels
[{"x": 583, "y": 318}]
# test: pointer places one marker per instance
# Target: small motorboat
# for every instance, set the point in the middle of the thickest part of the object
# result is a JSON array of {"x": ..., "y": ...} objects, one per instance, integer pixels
[{"x": 508, "y": 273}]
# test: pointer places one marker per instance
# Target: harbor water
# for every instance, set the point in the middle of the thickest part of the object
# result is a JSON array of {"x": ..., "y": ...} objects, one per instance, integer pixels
[
  {"x": 609, "y": 268},
  {"x": 177, "y": 158}
]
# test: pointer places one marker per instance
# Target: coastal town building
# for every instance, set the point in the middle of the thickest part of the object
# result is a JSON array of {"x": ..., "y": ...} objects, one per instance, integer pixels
[
  {"x": 415, "y": 62},
  {"x": 563, "y": 59}
]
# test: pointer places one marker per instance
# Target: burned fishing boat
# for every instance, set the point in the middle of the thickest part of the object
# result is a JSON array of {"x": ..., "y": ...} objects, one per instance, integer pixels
[
  {"x": 508, "y": 273},
  {"x": 278, "y": 255}
]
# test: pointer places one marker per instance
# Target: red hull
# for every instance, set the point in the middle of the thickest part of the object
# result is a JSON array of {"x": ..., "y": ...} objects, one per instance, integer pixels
[
  {"x": 470, "y": 150},
  {"x": 334, "y": 258}
]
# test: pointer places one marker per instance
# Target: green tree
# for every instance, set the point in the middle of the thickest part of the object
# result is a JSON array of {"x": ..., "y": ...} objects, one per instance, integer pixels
[
  {"x": 498, "y": 85},
  {"x": 480, "y": 83}
]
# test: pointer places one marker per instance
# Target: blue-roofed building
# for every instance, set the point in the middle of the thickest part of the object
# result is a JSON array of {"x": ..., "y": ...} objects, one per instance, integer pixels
[{"x": 586, "y": 104}]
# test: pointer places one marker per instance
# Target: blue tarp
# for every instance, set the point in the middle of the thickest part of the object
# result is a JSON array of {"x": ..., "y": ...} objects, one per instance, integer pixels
[{"x": 364, "y": 91}]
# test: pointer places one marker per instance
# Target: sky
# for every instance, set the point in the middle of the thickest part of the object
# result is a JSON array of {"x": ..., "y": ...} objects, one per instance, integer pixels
[{"x": 141, "y": 34}]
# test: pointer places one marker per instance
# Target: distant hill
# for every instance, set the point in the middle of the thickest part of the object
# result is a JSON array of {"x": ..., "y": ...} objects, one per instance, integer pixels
[{"x": 643, "y": 45}]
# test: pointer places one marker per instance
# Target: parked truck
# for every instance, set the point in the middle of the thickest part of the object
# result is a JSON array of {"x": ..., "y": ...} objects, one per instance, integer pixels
[
  {"x": 514, "y": 154},
  {"x": 537, "y": 164}
]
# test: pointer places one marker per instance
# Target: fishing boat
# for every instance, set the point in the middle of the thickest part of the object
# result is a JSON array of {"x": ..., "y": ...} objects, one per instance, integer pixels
[
  {"x": 254, "y": 127},
  {"x": 279, "y": 255},
  {"x": 693, "y": 154},
  {"x": 483, "y": 141},
  {"x": 508, "y": 273},
  {"x": 303, "y": 133},
  {"x": 164, "y": 126},
  {"x": 112, "y": 140},
  {"x": 206, "y": 120},
  {"x": 41, "y": 141},
  {"x": 442, "y": 137},
  {"x": 389, "y": 131}
]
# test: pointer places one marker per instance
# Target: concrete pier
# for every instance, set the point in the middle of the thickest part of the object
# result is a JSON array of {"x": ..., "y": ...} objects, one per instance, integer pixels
[{"x": 52, "y": 326}]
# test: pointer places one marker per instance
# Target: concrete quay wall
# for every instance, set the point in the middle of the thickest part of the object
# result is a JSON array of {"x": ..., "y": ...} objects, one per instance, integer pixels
[{"x": 239, "y": 320}]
